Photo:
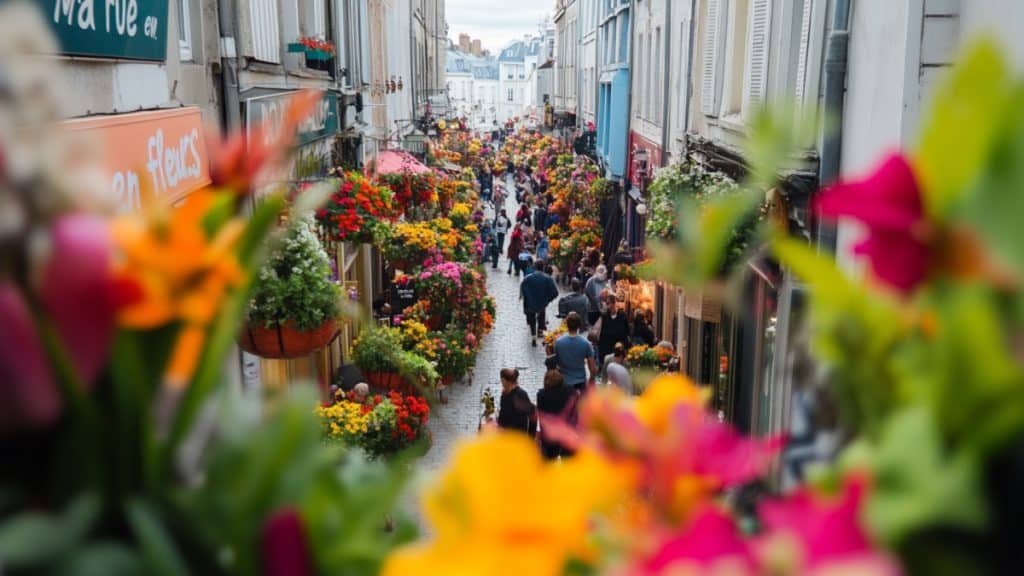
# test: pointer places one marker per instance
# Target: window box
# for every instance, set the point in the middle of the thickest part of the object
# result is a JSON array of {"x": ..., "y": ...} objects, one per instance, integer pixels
[{"x": 319, "y": 54}]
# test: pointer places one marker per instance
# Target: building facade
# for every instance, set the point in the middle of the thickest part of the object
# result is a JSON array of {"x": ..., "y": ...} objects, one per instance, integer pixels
[
  {"x": 589, "y": 13},
  {"x": 567, "y": 47},
  {"x": 472, "y": 84},
  {"x": 613, "y": 102}
]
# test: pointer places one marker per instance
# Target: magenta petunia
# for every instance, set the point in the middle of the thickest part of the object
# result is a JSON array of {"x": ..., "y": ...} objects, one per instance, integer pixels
[
  {"x": 711, "y": 540},
  {"x": 284, "y": 546},
  {"x": 890, "y": 206}
]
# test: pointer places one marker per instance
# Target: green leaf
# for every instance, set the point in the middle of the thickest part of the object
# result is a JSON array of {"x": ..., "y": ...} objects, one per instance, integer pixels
[
  {"x": 996, "y": 203},
  {"x": 160, "y": 554},
  {"x": 35, "y": 539},
  {"x": 102, "y": 559},
  {"x": 968, "y": 110},
  {"x": 918, "y": 485}
]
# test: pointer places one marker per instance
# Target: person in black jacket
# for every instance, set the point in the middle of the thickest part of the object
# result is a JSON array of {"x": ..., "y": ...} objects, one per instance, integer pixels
[
  {"x": 555, "y": 400},
  {"x": 614, "y": 329},
  {"x": 515, "y": 411},
  {"x": 643, "y": 332}
]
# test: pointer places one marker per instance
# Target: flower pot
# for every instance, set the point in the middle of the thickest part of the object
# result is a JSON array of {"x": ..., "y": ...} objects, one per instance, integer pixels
[
  {"x": 285, "y": 341},
  {"x": 391, "y": 381}
]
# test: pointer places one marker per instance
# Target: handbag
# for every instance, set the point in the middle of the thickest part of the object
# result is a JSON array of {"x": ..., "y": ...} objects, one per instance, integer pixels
[{"x": 594, "y": 334}]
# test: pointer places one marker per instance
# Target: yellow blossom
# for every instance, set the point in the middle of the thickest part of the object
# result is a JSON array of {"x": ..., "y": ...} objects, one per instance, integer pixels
[
  {"x": 655, "y": 406},
  {"x": 500, "y": 509}
]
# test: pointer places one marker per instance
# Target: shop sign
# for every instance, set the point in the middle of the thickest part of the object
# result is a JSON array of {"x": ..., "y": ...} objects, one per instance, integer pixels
[
  {"x": 132, "y": 29},
  {"x": 403, "y": 297},
  {"x": 268, "y": 112},
  {"x": 149, "y": 157}
]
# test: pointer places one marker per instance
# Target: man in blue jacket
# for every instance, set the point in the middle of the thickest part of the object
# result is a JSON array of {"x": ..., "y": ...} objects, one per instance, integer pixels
[{"x": 537, "y": 290}]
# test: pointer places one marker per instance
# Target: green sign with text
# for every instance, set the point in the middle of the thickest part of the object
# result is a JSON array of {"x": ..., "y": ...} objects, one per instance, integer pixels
[{"x": 131, "y": 29}]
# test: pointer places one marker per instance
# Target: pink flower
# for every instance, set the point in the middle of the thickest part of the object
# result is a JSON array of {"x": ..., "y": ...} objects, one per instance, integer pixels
[
  {"x": 828, "y": 531},
  {"x": 79, "y": 297},
  {"x": 889, "y": 204},
  {"x": 284, "y": 546},
  {"x": 710, "y": 540}
]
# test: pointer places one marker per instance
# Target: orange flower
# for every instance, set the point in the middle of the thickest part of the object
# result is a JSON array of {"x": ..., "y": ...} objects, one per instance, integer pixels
[
  {"x": 181, "y": 271},
  {"x": 235, "y": 162}
]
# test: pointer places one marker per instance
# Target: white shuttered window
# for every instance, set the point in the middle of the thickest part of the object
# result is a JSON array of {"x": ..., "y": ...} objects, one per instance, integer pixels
[
  {"x": 802, "y": 54},
  {"x": 755, "y": 83},
  {"x": 266, "y": 40},
  {"x": 711, "y": 58}
]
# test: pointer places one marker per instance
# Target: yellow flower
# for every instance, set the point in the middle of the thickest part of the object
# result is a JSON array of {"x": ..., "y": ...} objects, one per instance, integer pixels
[
  {"x": 655, "y": 406},
  {"x": 499, "y": 509}
]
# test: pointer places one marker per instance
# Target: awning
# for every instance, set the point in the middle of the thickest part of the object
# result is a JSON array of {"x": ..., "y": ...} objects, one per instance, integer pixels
[{"x": 398, "y": 161}]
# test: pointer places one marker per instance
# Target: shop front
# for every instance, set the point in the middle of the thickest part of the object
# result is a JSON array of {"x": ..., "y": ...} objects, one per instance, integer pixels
[
  {"x": 147, "y": 158},
  {"x": 319, "y": 149}
]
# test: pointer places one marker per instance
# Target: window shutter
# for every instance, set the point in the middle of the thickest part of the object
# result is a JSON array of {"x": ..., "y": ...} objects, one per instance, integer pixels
[
  {"x": 710, "y": 91},
  {"x": 801, "y": 63},
  {"x": 266, "y": 41},
  {"x": 757, "y": 55}
]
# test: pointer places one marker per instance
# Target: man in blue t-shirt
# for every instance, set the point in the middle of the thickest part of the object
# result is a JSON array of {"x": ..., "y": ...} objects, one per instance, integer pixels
[{"x": 575, "y": 355}]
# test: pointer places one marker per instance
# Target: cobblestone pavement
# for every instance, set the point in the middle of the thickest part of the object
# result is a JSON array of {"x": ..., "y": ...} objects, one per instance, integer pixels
[{"x": 507, "y": 346}]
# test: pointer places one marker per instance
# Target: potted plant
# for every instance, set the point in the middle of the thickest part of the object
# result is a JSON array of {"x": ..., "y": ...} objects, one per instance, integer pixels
[
  {"x": 294, "y": 302},
  {"x": 374, "y": 352},
  {"x": 358, "y": 211}
]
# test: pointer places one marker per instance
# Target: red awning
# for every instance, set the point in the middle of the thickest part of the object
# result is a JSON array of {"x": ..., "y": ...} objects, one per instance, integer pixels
[{"x": 398, "y": 161}]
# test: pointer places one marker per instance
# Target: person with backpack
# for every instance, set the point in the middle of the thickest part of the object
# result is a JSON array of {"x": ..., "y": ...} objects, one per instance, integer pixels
[
  {"x": 555, "y": 401},
  {"x": 515, "y": 246},
  {"x": 575, "y": 355}
]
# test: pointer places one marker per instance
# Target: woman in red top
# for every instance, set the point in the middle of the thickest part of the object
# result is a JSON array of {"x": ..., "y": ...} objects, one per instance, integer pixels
[{"x": 515, "y": 246}]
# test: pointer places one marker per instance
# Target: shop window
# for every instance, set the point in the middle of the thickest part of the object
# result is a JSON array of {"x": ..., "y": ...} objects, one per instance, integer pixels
[{"x": 184, "y": 30}]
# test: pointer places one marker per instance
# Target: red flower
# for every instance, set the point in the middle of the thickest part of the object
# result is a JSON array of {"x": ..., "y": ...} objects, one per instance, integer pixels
[
  {"x": 889, "y": 204},
  {"x": 284, "y": 545}
]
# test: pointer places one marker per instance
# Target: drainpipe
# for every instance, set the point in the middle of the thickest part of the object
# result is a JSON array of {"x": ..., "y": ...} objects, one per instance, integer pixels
[
  {"x": 834, "y": 96},
  {"x": 666, "y": 82},
  {"x": 689, "y": 76},
  {"x": 231, "y": 107}
]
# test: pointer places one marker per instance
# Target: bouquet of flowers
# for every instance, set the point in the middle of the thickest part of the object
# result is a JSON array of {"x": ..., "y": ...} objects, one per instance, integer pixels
[
  {"x": 382, "y": 426},
  {"x": 410, "y": 243},
  {"x": 410, "y": 189},
  {"x": 358, "y": 211}
]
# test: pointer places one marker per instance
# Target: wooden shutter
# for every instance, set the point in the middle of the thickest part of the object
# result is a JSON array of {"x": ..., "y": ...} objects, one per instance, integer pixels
[
  {"x": 266, "y": 40},
  {"x": 710, "y": 86},
  {"x": 757, "y": 56},
  {"x": 801, "y": 62}
]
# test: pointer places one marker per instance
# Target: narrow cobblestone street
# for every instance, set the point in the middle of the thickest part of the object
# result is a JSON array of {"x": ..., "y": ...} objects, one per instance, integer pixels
[{"x": 507, "y": 346}]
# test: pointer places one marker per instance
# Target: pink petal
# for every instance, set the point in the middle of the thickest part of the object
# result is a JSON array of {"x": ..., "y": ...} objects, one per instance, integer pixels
[
  {"x": 76, "y": 291},
  {"x": 28, "y": 396},
  {"x": 710, "y": 538},
  {"x": 896, "y": 258},
  {"x": 888, "y": 198}
]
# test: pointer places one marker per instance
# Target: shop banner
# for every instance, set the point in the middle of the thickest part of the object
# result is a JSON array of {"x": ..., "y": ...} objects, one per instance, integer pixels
[
  {"x": 132, "y": 29},
  {"x": 149, "y": 157},
  {"x": 268, "y": 111}
]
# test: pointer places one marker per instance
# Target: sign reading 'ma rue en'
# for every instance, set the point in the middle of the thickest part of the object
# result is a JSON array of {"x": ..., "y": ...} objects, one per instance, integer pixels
[{"x": 133, "y": 29}]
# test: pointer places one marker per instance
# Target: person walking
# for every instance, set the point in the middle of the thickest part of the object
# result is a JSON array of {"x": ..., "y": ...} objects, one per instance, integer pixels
[
  {"x": 615, "y": 371},
  {"x": 614, "y": 329},
  {"x": 515, "y": 411},
  {"x": 555, "y": 401},
  {"x": 540, "y": 214},
  {"x": 486, "y": 180},
  {"x": 543, "y": 246},
  {"x": 575, "y": 302},
  {"x": 575, "y": 355},
  {"x": 515, "y": 246},
  {"x": 593, "y": 288},
  {"x": 501, "y": 226},
  {"x": 537, "y": 290}
]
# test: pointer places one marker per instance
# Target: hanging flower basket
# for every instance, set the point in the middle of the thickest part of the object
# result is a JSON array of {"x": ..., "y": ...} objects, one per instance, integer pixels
[{"x": 285, "y": 341}]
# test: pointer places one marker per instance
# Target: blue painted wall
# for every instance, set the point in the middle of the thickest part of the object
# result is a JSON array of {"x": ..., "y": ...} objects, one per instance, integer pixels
[{"x": 613, "y": 94}]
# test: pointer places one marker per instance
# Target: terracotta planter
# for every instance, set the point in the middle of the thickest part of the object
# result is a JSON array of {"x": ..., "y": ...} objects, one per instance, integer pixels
[
  {"x": 285, "y": 341},
  {"x": 391, "y": 381}
]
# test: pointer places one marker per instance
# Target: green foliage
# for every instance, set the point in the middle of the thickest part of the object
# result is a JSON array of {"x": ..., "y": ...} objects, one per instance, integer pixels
[
  {"x": 295, "y": 283},
  {"x": 969, "y": 109},
  {"x": 375, "y": 348},
  {"x": 258, "y": 467},
  {"x": 917, "y": 484}
]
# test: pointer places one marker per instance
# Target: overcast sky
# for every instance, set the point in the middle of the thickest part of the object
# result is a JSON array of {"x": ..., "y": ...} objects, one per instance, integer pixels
[{"x": 495, "y": 22}]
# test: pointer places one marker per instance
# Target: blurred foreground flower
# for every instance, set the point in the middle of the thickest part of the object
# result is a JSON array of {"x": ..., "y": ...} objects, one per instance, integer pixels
[
  {"x": 78, "y": 296},
  {"x": 890, "y": 206},
  {"x": 500, "y": 509},
  {"x": 285, "y": 546}
]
